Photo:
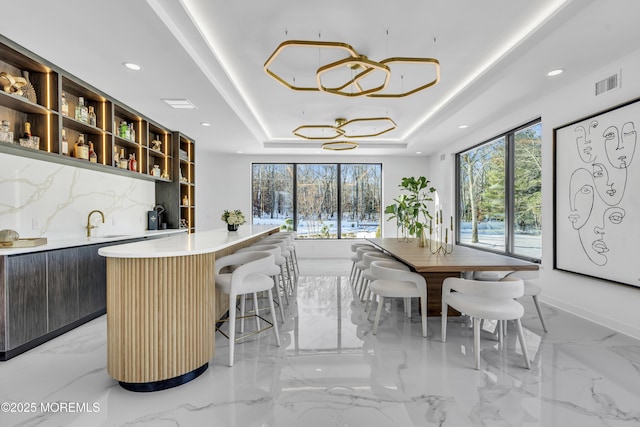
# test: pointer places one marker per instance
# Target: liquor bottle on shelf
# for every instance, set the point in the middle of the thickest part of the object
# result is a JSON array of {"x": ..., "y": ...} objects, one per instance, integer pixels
[
  {"x": 123, "y": 163},
  {"x": 84, "y": 112},
  {"x": 27, "y": 140},
  {"x": 78, "y": 112},
  {"x": 92, "y": 116},
  {"x": 116, "y": 157},
  {"x": 133, "y": 164},
  {"x": 5, "y": 134},
  {"x": 27, "y": 130},
  {"x": 124, "y": 130},
  {"x": 64, "y": 144},
  {"x": 132, "y": 132},
  {"x": 64, "y": 108},
  {"x": 93, "y": 157},
  {"x": 81, "y": 151}
]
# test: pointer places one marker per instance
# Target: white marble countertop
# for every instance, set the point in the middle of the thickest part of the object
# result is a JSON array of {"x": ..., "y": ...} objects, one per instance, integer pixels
[
  {"x": 69, "y": 242},
  {"x": 185, "y": 244}
]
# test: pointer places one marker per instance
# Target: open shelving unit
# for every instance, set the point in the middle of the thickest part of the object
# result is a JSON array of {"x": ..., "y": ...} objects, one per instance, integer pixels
[
  {"x": 182, "y": 188},
  {"x": 153, "y": 144}
]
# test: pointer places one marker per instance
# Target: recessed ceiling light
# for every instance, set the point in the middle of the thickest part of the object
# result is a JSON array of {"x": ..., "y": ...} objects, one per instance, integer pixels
[
  {"x": 205, "y": 124},
  {"x": 179, "y": 103},
  {"x": 463, "y": 126},
  {"x": 555, "y": 72},
  {"x": 240, "y": 151},
  {"x": 132, "y": 66},
  {"x": 418, "y": 152}
]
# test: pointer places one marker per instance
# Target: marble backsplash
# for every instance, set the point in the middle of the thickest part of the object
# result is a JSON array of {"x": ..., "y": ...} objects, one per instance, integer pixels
[{"x": 43, "y": 199}]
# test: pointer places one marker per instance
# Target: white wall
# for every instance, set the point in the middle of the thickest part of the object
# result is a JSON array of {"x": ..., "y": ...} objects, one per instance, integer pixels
[
  {"x": 44, "y": 199},
  {"x": 613, "y": 305}
]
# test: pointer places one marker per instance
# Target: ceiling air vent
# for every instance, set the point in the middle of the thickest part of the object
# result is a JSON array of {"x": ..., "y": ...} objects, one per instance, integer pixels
[{"x": 608, "y": 83}]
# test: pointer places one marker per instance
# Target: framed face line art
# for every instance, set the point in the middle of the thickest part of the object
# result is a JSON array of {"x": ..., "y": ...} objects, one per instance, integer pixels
[{"x": 597, "y": 195}]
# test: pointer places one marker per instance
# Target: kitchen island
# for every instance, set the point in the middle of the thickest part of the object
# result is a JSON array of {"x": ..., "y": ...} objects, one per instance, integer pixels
[{"x": 162, "y": 306}]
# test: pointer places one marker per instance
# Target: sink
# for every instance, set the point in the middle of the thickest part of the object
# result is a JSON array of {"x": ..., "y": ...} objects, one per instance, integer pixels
[{"x": 111, "y": 236}]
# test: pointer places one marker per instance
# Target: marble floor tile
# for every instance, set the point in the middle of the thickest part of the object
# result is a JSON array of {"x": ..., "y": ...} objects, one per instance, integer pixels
[{"x": 331, "y": 371}]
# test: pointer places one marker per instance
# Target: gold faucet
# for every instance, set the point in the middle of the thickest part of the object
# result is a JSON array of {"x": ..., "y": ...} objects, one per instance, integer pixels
[{"x": 89, "y": 226}]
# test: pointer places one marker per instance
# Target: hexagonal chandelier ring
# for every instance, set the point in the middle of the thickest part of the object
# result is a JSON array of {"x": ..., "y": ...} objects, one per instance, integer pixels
[
  {"x": 304, "y": 43},
  {"x": 353, "y": 63},
  {"x": 433, "y": 61}
]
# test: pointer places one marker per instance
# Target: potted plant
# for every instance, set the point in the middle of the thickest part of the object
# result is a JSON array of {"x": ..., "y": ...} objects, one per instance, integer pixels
[
  {"x": 410, "y": 208},
  {"x": 233, "y": 219}
]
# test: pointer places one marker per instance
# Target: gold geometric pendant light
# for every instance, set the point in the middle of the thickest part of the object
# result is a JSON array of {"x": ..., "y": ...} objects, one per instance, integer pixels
[
  {"x": 365, "y": 70},
  {"x": 340, "y": 145},
  {"x": 368, "y": 127},
  {"x": 338, "y": 47},
  {"x": 427, "y": 85},
  {"x": 361, "y": 62}
]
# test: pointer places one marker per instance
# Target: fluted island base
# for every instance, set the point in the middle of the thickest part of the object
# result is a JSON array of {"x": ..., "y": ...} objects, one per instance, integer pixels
[{"x": 160, "y": 319}]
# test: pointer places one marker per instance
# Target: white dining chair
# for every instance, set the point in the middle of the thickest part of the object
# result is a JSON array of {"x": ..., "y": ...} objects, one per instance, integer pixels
[
  {"x": 393, "y": 283},
  {"x": 360, "y": 251},
  {"x": 361, "y": 287},
  {"x": 530, "y": 289},
  {"x": 491, "y": 300},
  {"x": 354, "y": 256},
  {"x": 391, "y": 263}
]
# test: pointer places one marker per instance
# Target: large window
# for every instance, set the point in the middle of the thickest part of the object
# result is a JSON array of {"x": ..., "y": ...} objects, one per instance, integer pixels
[
  {"x": 319, "y": 201},
  {"x": 499, "y": 193}
]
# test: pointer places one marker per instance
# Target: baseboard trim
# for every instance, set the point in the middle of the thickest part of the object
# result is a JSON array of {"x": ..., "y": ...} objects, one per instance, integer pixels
[{"x": 596, "y": 318}]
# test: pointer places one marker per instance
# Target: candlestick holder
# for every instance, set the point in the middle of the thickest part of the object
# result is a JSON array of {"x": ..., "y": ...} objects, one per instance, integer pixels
[{"x": 436, "y": 236}]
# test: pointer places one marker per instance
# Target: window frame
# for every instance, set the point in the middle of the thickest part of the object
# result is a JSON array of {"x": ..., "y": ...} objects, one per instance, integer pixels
[
  {"x": 338, "y": 165},
  {"x": 509, "y": 190}
]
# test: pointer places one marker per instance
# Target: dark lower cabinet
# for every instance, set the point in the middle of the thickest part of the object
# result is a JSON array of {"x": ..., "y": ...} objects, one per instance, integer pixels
[
  {"x": 45, "y": 294},
  {"x": 92, "y": 288},
  {"x": 62, "y": 292},
  {"x": 26, "y": 298}
]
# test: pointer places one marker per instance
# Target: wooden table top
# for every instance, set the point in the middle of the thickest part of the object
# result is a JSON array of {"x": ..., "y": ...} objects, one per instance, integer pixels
[{"x": 462, "y": 259}]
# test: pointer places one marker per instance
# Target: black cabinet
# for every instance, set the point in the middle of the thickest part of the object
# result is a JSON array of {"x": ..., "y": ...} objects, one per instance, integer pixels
[
  {"x": 92, "y": 288},
  {"x": 26, "y": 293},
  {"x": 62, "y": 283},
  {"x": 45, "y": 294}
]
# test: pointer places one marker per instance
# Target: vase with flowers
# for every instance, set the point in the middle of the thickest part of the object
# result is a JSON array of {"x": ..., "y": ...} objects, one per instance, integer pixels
[{"x": 233, "y": 219}]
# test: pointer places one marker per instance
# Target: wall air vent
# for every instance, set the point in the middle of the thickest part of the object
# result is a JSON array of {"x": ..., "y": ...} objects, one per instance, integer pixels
[{"x": 609, "y": 83}]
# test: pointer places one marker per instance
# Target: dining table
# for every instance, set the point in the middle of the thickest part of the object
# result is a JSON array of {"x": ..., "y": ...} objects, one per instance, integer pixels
[{"x": 462, "y": 261}]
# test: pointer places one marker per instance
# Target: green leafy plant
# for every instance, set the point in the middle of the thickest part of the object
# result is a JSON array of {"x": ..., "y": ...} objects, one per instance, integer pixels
[
  {"x": 288, "y": 225},
  {"x": 410, "y": 209}
]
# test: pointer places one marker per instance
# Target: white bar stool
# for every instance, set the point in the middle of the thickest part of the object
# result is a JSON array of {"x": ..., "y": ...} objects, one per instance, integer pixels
[{"x": 247, "y": 277}]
